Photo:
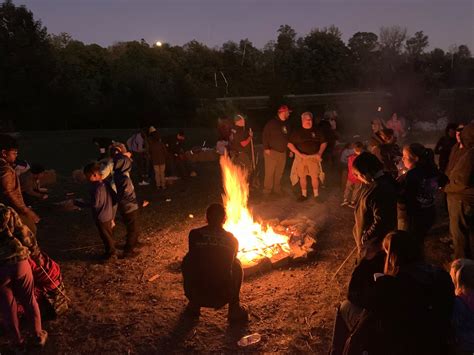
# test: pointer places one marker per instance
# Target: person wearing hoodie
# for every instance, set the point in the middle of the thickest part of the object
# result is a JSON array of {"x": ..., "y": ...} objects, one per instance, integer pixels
[
  {"x": 127, "y": 201},
  {"x": 460, "y": 195},
  {"x": 462, "y": 273},
  {"x": 10, "y": 189}
]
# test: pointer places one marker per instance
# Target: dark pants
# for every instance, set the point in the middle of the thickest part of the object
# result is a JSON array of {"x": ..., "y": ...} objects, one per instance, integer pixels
[
  {"x": 107, "y": 235},
  {"x": 28, "y": 222},
  {"x": 16, "y": 283},
  {"x": 420, "y": 223},
  {"x": 191, "y": 287},
  {"x": 348, "y": 317},
  {"x": 131, "y": 239},
  {"x": 141, "y": 164},
  {"x": 461, "y": 226}
]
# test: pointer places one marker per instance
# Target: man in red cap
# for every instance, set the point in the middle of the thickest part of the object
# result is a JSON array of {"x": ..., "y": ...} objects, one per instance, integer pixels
[{"x": 275, "y": 142}]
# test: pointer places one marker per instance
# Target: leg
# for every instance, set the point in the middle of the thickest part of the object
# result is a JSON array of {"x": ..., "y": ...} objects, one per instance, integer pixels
[
  {"x": 456, "y": 226},
  {"x": 138, "y": 159},
  {"x": 130, "y": 220},
  {"x": 156, "y": 169},
  {"x": 348, "y": 190},
  {"x": 23, "y": 290},
  {"x": 340, "y": 334},
  {"x": 356, "y": 193},
  {"x": 28, "y": 222},
  {"x": 280, "y": 162},
  {"x": 162, "y": 175},
  {"x": 107, "y": 235},
  {"x": 237, "y": 313},
  {"x": 269, "y": 172},
  {"x": 8, "y": 304}
]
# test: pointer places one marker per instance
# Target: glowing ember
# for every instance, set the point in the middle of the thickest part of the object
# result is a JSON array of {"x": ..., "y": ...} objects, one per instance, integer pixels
[{"x": 255, "y": 241}]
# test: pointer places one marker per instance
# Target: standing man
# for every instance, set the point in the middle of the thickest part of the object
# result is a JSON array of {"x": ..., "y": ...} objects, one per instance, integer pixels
[
  {"x": 460, "y": 195},
  {"x": 10, "y": 190},
  {"x": 275, "y": 142},
  {"x": 240, "y": 144},
  {"x": 137, "y": 145},
  {"x": 176, "y": 150},
  {"x": 308, "y": 144}
]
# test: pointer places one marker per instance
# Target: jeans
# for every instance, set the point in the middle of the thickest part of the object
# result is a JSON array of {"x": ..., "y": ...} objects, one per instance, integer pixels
[{"x": 16, "y": 283}]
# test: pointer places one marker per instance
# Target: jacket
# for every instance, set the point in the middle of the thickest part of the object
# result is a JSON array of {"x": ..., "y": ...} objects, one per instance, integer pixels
[
  {"x": 350, "y": 171},
  {"x": 157, "y": 151},
  {"x": 126, "y": 196},
  {"x": 461, "y": 170},
  {"x": 10, "y": 190},
  {"x": 375, "y": 213},
  {"x": 17, "y": 242}
]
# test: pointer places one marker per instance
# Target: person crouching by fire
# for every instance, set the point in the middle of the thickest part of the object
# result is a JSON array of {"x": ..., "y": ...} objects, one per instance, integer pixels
[
  {"x": 212, "y": 273},
  {"x": 308, "y": 144}
]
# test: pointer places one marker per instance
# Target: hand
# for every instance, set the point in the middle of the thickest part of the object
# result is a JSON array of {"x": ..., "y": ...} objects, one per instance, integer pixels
[
  {"x": 267, "y": 151},
  {"x": 45, "y": 197},
  {"x": 128, "y": 154},
  {"x": 33, "y": 216}
]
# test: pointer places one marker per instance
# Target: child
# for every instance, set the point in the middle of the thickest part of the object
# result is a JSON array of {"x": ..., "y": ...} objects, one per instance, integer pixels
[
  {"x": 462, "y": 273},
  {"x": 127, "y": 201},
  {"x": 353, "y": 185},
  {"x": 157, "y": 151},
  {"x": 102, "y": 204}
]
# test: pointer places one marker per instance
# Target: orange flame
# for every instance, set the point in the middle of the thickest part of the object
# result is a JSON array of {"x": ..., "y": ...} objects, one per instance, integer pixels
[{"x": 255, "y": 241}]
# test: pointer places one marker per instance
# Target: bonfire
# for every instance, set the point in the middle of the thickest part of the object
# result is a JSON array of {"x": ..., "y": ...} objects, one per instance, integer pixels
[{"x": 257, "y": 241}]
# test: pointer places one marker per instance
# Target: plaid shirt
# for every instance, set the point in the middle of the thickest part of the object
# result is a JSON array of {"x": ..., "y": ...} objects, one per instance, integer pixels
[{"x": 17, "y": 242}]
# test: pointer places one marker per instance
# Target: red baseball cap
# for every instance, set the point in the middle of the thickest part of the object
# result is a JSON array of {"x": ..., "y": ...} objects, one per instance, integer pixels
[{"x": 283, "y": 108}]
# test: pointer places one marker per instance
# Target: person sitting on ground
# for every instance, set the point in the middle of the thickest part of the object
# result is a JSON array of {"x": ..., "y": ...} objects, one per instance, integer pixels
[
  {"x": 417, "y": 191},
  {"x": 353, "y": 185},
  {"x": 444, "y": 146},
  {"x": 212, "y": 273},
  {"x": 462, "y": 274},
  {"x": 158, "y": 153},
  {"x": 102, "y": 202},
  {"x": 10, "y": 189},
  {"x": 17, "y": 244},
  {"x": 308, "y": 144},
  {"x": 408, "y": 307},
  {"x": 31, "y": 184}
]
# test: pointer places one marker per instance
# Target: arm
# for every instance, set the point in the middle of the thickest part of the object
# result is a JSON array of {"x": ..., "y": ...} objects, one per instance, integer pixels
[
  {"x": 322, "y": 148},
  {"x": 266, "y": 136},
  {"x": 11, "y": 191},
  {"x": 247, "y": 141},
  {"x": 293, "y": 149}
]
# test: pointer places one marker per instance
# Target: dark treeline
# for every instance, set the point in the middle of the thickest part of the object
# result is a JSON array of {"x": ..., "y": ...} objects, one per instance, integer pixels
[{"x": 52, "y": 81}]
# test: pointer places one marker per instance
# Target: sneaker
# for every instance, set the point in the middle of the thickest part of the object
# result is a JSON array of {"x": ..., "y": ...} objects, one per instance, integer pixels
[
  {"x": 238, "y": 314},
  {"x": 345, "y": 203},
  {"x": 40, "y": 340},
  {"x": 143, "y": 183},
  {"x": 302, "y": 198}
]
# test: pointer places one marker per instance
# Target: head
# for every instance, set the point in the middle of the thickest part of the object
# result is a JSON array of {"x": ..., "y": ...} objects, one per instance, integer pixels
[
  {"x": 459, "y": 129},
  {"x": 284, "y": 113},
  {"x": 307, "y": 120},
  {"x": 450, "y": 130},
  {"x": 467, "y": 136},
  {"x": 37, "y": 170},
  {"x": 400, "y": 249},
  {"x": 394, "y": 116},
  {"x": 8, "y": 148},
  {"x": 367, "y": 167},
  {"x": 216, "y": 215},
  {"x": 180, "y": 135},
  {"x": 151, "y": 130},
  {"x": 387, "y": 135},
  {"x": 376, "y": 125},
  {"x": 92, "y": 172},
  {"x": 239, "y": 120},
  {"x": 358, "y": 148},
  {"x": 462, "y": 274}
]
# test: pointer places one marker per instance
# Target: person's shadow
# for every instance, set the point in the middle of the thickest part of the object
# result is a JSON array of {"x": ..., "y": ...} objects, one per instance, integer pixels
[{"x": 173, "y": 342}]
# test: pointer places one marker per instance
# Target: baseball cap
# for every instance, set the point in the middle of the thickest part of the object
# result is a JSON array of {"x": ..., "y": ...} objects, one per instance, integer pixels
[{"x": 283, "y": 108}]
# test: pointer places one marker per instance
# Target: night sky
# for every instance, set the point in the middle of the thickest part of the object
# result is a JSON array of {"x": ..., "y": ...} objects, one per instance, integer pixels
[{"x": 214, "y": 22}]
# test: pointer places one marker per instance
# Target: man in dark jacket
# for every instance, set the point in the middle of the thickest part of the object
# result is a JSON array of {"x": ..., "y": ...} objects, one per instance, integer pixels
[
  {"x": 212, "y": 274},
  {"x": 275, "y": 142},
  {"x": 460, "y": 195},
  {"x": 10, "y": 189}
]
